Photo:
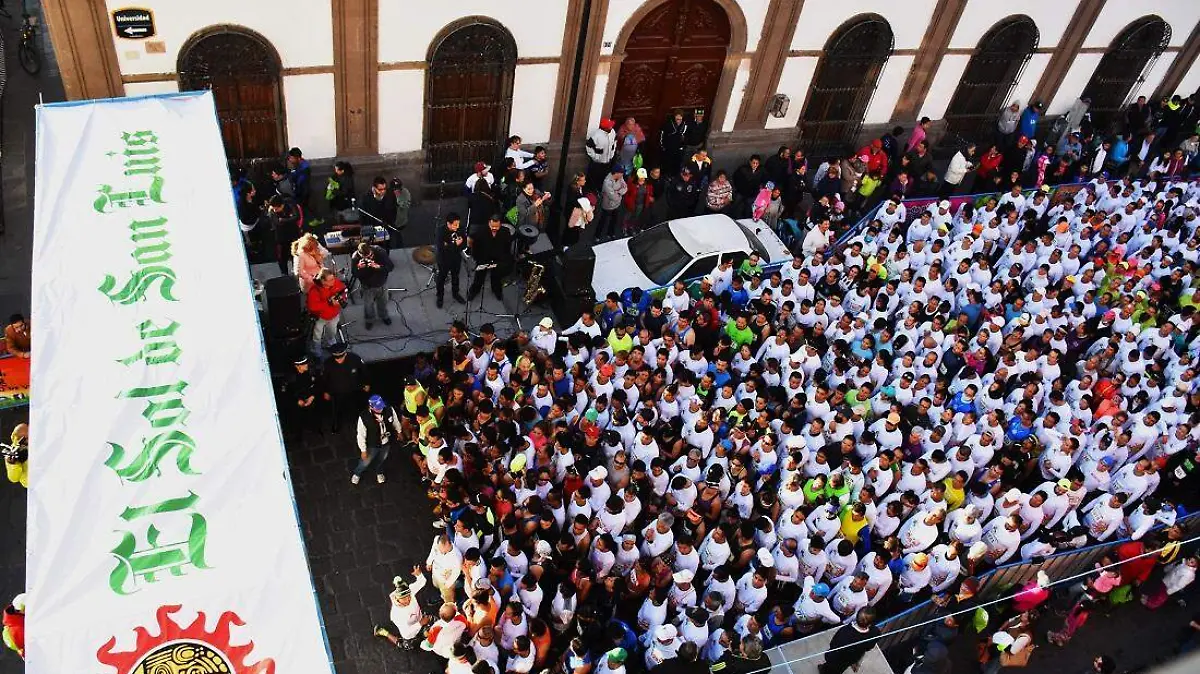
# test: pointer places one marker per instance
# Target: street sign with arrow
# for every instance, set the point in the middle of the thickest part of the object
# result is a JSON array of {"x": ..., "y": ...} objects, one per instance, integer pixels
[{"x": 133, "y": 23}]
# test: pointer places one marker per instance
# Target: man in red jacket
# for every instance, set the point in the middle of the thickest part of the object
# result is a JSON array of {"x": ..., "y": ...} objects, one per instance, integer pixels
[{"x": 325, "y": 300}]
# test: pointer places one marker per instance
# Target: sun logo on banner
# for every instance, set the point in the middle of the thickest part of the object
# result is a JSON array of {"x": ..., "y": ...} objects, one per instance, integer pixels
[{"x": 184, "y": 650}]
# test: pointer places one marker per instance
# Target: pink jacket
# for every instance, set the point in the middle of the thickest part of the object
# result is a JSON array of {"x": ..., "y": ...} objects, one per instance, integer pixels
[{"x": 308, "y": 266}]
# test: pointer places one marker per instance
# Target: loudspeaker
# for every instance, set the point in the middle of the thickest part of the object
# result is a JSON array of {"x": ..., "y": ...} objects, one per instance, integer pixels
[
  {"x": 284, "y": 315},
  {"x": 574, "y": 270}
]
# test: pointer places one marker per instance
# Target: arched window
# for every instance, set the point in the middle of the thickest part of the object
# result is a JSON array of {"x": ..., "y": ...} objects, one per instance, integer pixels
[
  {"x": 1123, "y": 67},
  {"x": 243, "y": 71},
  {"x": 991, "y": 73},
  {"x": 468, "y": 97},
  {"x": 844, "y": 83}
]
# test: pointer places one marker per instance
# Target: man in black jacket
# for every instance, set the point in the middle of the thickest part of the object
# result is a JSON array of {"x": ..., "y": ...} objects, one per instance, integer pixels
[
  {"x": 747, "y": 181},
  {"x": 344, "y": 378},
  {"x": 378, "y": 204},
  {"x": 371, "y": 266},
  {"x": 450, "y": 244},
  {"x": 285, "y": 218},
  {"x": 492, "y": 247},
  {"x": 850, "y": 643},
  {"x": 671, "y": 138}
]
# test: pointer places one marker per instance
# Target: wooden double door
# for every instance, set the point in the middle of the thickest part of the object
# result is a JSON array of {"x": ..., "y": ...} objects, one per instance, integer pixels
[
  {"x": 243, "y": 71},
  {"x": 672, "y": 62}
]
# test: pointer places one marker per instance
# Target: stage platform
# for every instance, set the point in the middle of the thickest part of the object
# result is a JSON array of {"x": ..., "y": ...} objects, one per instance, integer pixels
[
  {"x": 418, "y": 326},
  {"x": 790, "y": 657}
]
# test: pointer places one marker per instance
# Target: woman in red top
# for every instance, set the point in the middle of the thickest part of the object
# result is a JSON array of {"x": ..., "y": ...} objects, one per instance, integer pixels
[{"x": 989, "y": 163}]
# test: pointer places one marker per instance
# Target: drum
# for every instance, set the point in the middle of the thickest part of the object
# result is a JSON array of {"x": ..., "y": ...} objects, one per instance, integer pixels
[
  {"x": 424, "y": 255},
  {"x": 528, "y": 234}
]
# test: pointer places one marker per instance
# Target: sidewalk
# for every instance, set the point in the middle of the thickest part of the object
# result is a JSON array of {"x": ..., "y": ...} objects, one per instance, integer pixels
[{"x": 21, "y": 93}]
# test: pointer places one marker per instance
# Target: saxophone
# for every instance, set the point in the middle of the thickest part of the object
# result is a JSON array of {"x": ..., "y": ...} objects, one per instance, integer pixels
[{"x": 533, "y": 283}]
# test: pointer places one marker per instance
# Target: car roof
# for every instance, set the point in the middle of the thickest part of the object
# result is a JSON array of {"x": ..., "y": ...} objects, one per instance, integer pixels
[{"x": 705, "y": 234}]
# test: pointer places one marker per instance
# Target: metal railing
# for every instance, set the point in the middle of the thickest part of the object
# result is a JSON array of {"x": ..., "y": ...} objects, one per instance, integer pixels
[{"x": 996, "y": 584}]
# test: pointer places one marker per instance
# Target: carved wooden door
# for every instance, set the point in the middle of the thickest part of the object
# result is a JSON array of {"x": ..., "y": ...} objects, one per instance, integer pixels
[
  {"x": 243, "y": 72},
  {"x": 468, "y": 100},
  {"x": 673, "y": 61}
]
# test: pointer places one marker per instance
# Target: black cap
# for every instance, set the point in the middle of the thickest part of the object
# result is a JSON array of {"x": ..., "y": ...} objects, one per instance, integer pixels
[
  {"x": 338, "y": 349},
  {"x": 301, "y": 360}
]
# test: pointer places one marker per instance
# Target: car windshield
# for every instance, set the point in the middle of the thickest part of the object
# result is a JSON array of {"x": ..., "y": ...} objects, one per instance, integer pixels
[
  {"x": 756, "y": 245},
  {"x": 658, "y": 254}
]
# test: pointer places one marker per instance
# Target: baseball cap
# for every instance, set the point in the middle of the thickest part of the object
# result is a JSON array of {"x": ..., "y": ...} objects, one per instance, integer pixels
[
  {"x": 480, "y": 167},
  {"x": 893, "y": 418},
  {"x": 376, "y": 403},
  {"x": 598, "y": 473},
  {"x": 821, "y": 590},
  {"x": 682, "y": 576},
  {"x": 546, "y": 322},
  {"x": 1064, "y": 483}
]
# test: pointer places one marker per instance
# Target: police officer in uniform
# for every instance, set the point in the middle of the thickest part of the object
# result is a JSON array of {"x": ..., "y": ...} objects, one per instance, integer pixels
[
  {"x": 450, "y": 243},
  {"x": 301, "y": 395},
  {"x": 344, "y": 379}
]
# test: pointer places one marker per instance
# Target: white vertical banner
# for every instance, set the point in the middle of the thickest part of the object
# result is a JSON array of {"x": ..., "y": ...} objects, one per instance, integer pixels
[{"x": 163, "y": 533}]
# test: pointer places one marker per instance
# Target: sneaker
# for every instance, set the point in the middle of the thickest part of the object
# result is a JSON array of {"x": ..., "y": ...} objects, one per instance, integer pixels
[
  {"x": 380, "y": 478},
  {"x": 440, "y": 302},
  {"x": 353, "y": 479},
  {"x": 439, "y": 524},
  {"x": 387, "y": 321},
  {"x": 379, "y": 631}
]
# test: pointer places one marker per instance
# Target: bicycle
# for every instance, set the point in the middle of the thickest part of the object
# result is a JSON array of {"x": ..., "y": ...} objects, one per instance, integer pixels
[{"x": 29, "y": 52}]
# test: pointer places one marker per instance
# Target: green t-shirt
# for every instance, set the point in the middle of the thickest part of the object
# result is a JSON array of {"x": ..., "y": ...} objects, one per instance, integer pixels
[{"x": 739, "y": 336}]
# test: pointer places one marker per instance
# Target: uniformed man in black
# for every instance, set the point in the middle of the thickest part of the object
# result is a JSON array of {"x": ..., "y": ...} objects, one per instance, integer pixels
[
  {"x": 450, "y": 244},
  {"x": 492, "y": 247},
  {"x": 300, "y": 395},
  {"x": 344, "y": 383}
]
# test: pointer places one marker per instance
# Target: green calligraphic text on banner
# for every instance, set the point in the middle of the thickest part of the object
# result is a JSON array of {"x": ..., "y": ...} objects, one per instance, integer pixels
[{"x": 159, "y": 502}]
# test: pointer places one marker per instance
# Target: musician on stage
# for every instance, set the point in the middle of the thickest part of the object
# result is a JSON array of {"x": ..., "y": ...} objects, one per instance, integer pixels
[
  {"x": 450, "y": 244},
  {"x": 492, "y": 247}
]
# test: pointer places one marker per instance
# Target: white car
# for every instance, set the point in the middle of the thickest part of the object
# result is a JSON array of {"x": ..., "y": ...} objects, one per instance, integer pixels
[{"x": 681, "y": 250}]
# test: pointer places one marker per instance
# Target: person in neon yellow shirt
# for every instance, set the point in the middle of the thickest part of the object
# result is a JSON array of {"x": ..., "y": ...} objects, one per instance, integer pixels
[
  {"x": 619, "y": 338},
  {"x": 16, "y": 456}
]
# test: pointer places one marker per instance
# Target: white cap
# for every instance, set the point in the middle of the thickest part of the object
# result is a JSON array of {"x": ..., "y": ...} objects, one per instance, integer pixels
[
  {"x": 546, "y": 322},
  {"x": 683, "y": 576},
  {"x": 18, "y": 602},
  {"x": 765, "y": 559},
  {"x": 1043, "y": 579},
  {"x": 666, "y": 632},
  {"x": 944, "y": 204},
  {"x": 598, "y": 473}
]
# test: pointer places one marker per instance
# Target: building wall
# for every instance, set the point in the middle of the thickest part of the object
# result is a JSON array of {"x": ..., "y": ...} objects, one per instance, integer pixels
[
  {"x": 303, "y": 35},
  {"x": 300, "y": 43}
]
